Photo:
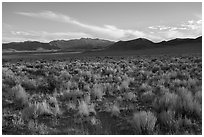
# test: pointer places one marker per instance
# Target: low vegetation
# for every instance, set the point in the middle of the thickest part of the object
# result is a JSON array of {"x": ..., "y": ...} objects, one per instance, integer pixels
[{"x": 103, "y": 95}]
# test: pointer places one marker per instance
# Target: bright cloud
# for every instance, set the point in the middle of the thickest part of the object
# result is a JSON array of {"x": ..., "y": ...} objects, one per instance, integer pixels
[
  {"x": 190, "y": 29},
  {"x": 110, "y": 30},
  {"x": 159, "y": 27},
  {"x": 193, "y": 25},
  {"x": 42, "y": 36}
]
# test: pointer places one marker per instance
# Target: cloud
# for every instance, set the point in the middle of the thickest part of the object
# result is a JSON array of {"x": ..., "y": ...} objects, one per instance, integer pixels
[
  {"x": 191, "y": 28},
  {"x": 193, "y": 25},
  {"x": 164, "y": 28},
  {"x": 110, "y": 30},
  {"x": 42, "y": 36},
  {"x": 188, "y": 29},
  {"x": 189, "y": 25},
  {"x": 159, "y": 27}
]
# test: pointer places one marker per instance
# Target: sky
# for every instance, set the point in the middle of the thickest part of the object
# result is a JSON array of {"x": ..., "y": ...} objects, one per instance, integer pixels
[{"x": 46, "y": 21}]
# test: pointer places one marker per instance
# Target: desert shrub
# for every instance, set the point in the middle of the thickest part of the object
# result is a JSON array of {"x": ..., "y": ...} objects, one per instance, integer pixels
[
  {"x": 144, "y": 122},
  {"x": 32, "y": 111},
  {"x": 20, "y": 95},
  {"x": 192, "y": 82},
  {"x": 65, "y": 76},
  {"x": 87, "y": 87},
  {"x": 187, "y": 104},
  {"x": 172, "y": 74},
  {"x": 87, "y": 98},
  {"x": 29, "y": 84},
  {"x": 8, "y": 77},
  {"x": 147, "y": 97},
  {"x": 54, "y": 106},
  {"x": 115, "y": 110},
  {"x": 145, "y": 87},
  {"x": 85, "y": 109},
  {"x": 165, "y": 102},
  {"x": 71, "y": 106},
  {"x": 129, "y": 96},
  {"x": 197, "y": 109},
  {"x": 36, "y": 128},
  {"x": 6, "y": 72},
  {"x": 72, "y": 95},
  {"x": 167, "y": 120},
  {"x": 198, "y": 96},
  {"x": 117, "y": 79},
  {"x": 183, "y": 123},
  {"x": 97, "y": 91},
  {"x": 125, "y": 84},
  {"x": 177, "y": 82}
]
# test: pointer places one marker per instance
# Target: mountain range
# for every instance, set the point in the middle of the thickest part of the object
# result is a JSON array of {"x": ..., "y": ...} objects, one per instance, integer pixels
[
  {"x": 65, "y": 45},
  {"x": 88, "y": 44}
]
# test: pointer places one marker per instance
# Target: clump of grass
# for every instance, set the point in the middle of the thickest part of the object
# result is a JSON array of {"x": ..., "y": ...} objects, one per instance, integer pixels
[
  {"x": 167, "y": 120},
  {"x": 65, "y": 76},
  {"x": 54, "y": 105},
  {"x": 72, "y": 95},
  {"x": 87, "y": 98},
  {"x": 145, "y": 87},
  {"x": 85, "y": 109},
  {"x": 98, "y": 91},
  {"x": 188, "y": 105},
  {"x": 29, "y": 83},
  {"x": 147, "y": 97},
  {"x": 184, "y": 123},
  {"x": 115, "y": 110},
  {"x": 192, "y": 82},
  {"x": 71, "y": 106},
  {"x": 167, "y": 101},
  {"x": 20, "y": 95},
  {"x": 33, "y": 110},
  {"x": 198, "y": 96},
  {"x": 125, "y": 84},
  {"x": 143, "y": 122},
  {"x": 36, "y": 128},
  {"x": 177, "y": 82},
  {"x": 43, "y": 108},
  {"x": 130, "y": 96},
  {"x": 8, "y": 77}
]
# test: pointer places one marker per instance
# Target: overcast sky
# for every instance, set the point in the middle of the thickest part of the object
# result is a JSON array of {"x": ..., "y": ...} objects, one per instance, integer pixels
[{"x": 113, "y": 21}]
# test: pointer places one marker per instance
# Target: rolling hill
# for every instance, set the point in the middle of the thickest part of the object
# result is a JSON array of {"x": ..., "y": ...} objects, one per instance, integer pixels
[
  {"x": 27, "y": 46},
  {"x": 81, "y": 44},
  {"x": 75, "y": 44},
  {"x": 97, "y": 47},
  {"x": 141, "y": 44},
  {"x": 135, "y": 44}
]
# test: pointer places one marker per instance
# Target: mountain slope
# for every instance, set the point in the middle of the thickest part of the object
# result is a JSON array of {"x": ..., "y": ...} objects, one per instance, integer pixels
[
  {"x": 135, "y": 44},
  {"x": 179, "y": 41},
  {"x": 28, "y": 46},
  {"x": 87, "y": 44},
  {"x": 141, "y": 43},
  {"x": 76, "y": 44},
  {"x": 83, "y": 43},
  {"x": 179, "y": 47}
]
